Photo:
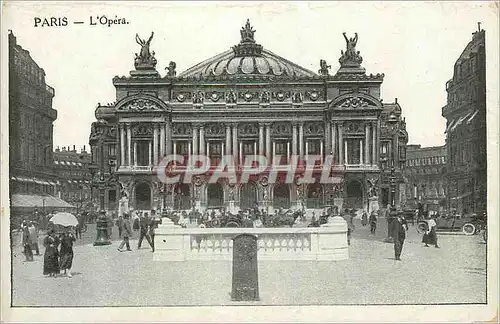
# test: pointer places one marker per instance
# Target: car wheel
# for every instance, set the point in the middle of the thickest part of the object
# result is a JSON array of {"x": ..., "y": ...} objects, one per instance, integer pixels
[
  {"x": 468, "y": 229},
  {"x": 422, "y": 227}
]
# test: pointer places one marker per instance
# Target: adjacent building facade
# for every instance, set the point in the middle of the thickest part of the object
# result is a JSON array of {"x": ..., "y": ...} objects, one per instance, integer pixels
[
  {"x": 243, "y": 102},
  {"x": 74, "y": 176},
  {"x": 465, "y": 113},
  {"x": 426, "y": 177},
  {"x": 33, "y": 181}
]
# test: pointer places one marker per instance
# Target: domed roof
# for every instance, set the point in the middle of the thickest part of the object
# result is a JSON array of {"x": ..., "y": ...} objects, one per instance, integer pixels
[{"x": 247, "y": 58}]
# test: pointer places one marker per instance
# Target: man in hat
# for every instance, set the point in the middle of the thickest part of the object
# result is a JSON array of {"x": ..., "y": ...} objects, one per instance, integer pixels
[
  {"x": 399, "y": 228},
  {"x": 33, "y": 232},
  {"x": 126, "y": 232}
]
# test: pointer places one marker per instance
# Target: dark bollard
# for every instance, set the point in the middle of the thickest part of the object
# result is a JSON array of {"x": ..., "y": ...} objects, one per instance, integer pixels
[
  {"x": 102, "y": 231},
  {"x": 245, "y": 285}
]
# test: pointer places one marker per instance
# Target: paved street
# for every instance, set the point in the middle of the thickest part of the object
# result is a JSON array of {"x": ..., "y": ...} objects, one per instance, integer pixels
[{"x": 456, "y": 273}]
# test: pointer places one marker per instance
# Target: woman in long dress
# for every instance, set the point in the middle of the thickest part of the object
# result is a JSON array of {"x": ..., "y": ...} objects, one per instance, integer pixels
[
  {"x": 66, "y": 253},
  {"x": 51, "y": 256}
]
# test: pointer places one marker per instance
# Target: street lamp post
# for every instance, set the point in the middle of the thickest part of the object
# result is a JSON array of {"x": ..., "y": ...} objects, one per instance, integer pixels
[
  {"x": 102, "y": 221},
  {"x": 393, "y": 127}
]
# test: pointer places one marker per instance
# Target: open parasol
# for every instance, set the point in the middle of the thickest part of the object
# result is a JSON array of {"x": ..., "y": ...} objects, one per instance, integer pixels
[{"x": 64, "y": 219}]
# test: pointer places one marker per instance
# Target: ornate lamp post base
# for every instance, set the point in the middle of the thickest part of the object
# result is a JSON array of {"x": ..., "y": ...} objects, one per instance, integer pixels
[
  {"x": 102, "y": 230},
  {"x": 392, "y": 216}
]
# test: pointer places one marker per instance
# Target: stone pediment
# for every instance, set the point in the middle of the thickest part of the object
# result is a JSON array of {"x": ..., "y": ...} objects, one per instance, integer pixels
[
  {"x": 355, "y": 101},
  {"x": 141, "y": 103}
]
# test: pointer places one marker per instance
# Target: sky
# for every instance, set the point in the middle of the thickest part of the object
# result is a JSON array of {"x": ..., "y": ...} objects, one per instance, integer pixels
[{"x": 415, "y": 44}]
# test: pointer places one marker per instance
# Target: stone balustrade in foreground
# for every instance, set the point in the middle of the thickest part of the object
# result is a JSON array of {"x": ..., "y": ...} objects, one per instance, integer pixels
[{"x": 325, "y": 243}]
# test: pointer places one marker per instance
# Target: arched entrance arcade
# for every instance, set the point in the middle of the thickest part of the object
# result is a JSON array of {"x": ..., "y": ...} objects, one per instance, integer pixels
[
  {"x": 354, "y": 195},
  {"x": 215, "y": 195},
  {"x": 143, "y": 196},
  {"x": 281, "y": 196}
]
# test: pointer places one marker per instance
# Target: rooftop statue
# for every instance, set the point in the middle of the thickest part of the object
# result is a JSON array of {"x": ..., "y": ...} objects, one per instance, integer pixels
[
  {"x": 247, "y": 33},
  {"x": 324, "y": 68},
  {"x": 145, "y": 60},
  {"x": 350, "y": 57},
  {"x": 171, "y": 69}
]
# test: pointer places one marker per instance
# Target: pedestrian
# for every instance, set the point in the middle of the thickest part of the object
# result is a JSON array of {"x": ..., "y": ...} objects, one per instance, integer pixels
[
  {"x": 66, "y": 252},
  {"x": 144, "y": 224},
  {"x": 27, "y": 241},
  {"x": 135, "y": 218},
  {"x": 364, "y": 218},
  {"x": 399, "y": 228},
  {"x": 126, "y": 233},
  {"x": 152, "y": 226},
  {"x": 33, "y": 232},
  {"x": 51, "y": 255},
  {"x": 430, "y": 236},
  {"x": 118, "y": 224},
  {"x": 350, "y": 225},
  {"x": 373, "y": 221}
]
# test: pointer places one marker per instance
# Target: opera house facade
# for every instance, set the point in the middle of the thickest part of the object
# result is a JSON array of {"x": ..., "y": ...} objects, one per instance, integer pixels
[{"x": 248, "y": 101}]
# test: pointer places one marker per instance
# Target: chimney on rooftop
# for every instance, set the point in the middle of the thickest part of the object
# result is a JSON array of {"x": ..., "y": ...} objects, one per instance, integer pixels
[{"x": 396, "y": 100}]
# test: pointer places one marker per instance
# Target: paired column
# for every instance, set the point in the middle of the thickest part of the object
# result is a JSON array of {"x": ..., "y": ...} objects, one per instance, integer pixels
[
  {"x": 341, "y": 144},
  {"x": 367, "y": 144},
  {"x": 301, "y": 140},
  {"x": 228, "y": 140},
  {"x": 129, "y": 145},
  {"x": 374, "y": 144},
  {"x": 268, "y": 141},
  {"x": 294, "y": 139},
  {"x": 328, "y": 142},
  {"x": 333, "y": 133},
  {"x": 235, "y": 141},
  {"x": 155, "y": 145},
  {"x": 168, "y": 135},
  {"x": 162, "y": 141},
  {"x": 261, "y": 139},
  {"x": 202, "y": 140},
  {"x": 195, "y": 140},
  {"x": 122, "y": 144}
]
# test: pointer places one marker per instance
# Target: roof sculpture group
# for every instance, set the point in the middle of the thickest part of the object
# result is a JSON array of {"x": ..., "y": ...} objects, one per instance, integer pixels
[{"x": 248, "y": 47}]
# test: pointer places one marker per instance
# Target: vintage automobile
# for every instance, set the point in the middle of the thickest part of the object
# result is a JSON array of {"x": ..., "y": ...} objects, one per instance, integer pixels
[{"x": 469, "y": 224}]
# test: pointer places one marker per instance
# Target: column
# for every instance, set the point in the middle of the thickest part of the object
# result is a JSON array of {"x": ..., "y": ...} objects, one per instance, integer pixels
[
  {"x": 274, "y": 148},
  {"x": 294, "y": 139},
  {"x": 208, "y": 149},
  {"x": 135, "y": 153},
  {"x": 255, "y": 149},
  {"x": 367, "y": 144},
  {"x": 223, "y": 149},
  {"x": 321, "y": 150},
  {"x": 228, "y": 139},
  {"x": 168, "y": 133},
  {"x": 235, "y": 141},
  {"x": 129, "y": 145},
  {"x": 241, "y": 152},
  {"x": 195, "y": 140},
  {"x": 288, "y": 151},
  {"x": 374, "y": 144},
  {"x": 261, "y": 139},
  {"x": 190, "y": 149},
  {"x": 301, "y": 139},
  {"x": 345, "y": 153},
  {"x": 306, "y": 153},
  {"x": 360, "y": 151},
  {"x": 175, "y": 149},
  {"x": 333, "y": 133},
  {"x": 155, "y": 144},
  {"x": 162, "y": 141},
  {"x": 202, "y": 140},
  {"x": 341, "y": 144},
  {"x": 149, "y": 152},
  {"x": 327, "y": 137},
  {"x": 268, "y": 141},
  {"x": 122, "y": 145}
]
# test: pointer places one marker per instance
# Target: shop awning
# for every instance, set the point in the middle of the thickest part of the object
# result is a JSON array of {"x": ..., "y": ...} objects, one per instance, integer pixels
[
  {"x": 461, "y": 120},
  {"x": 21, "y": 200}
]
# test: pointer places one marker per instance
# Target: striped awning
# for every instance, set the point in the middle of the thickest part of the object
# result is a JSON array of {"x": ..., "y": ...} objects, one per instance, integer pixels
[{"x": 460, "y": 121}]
